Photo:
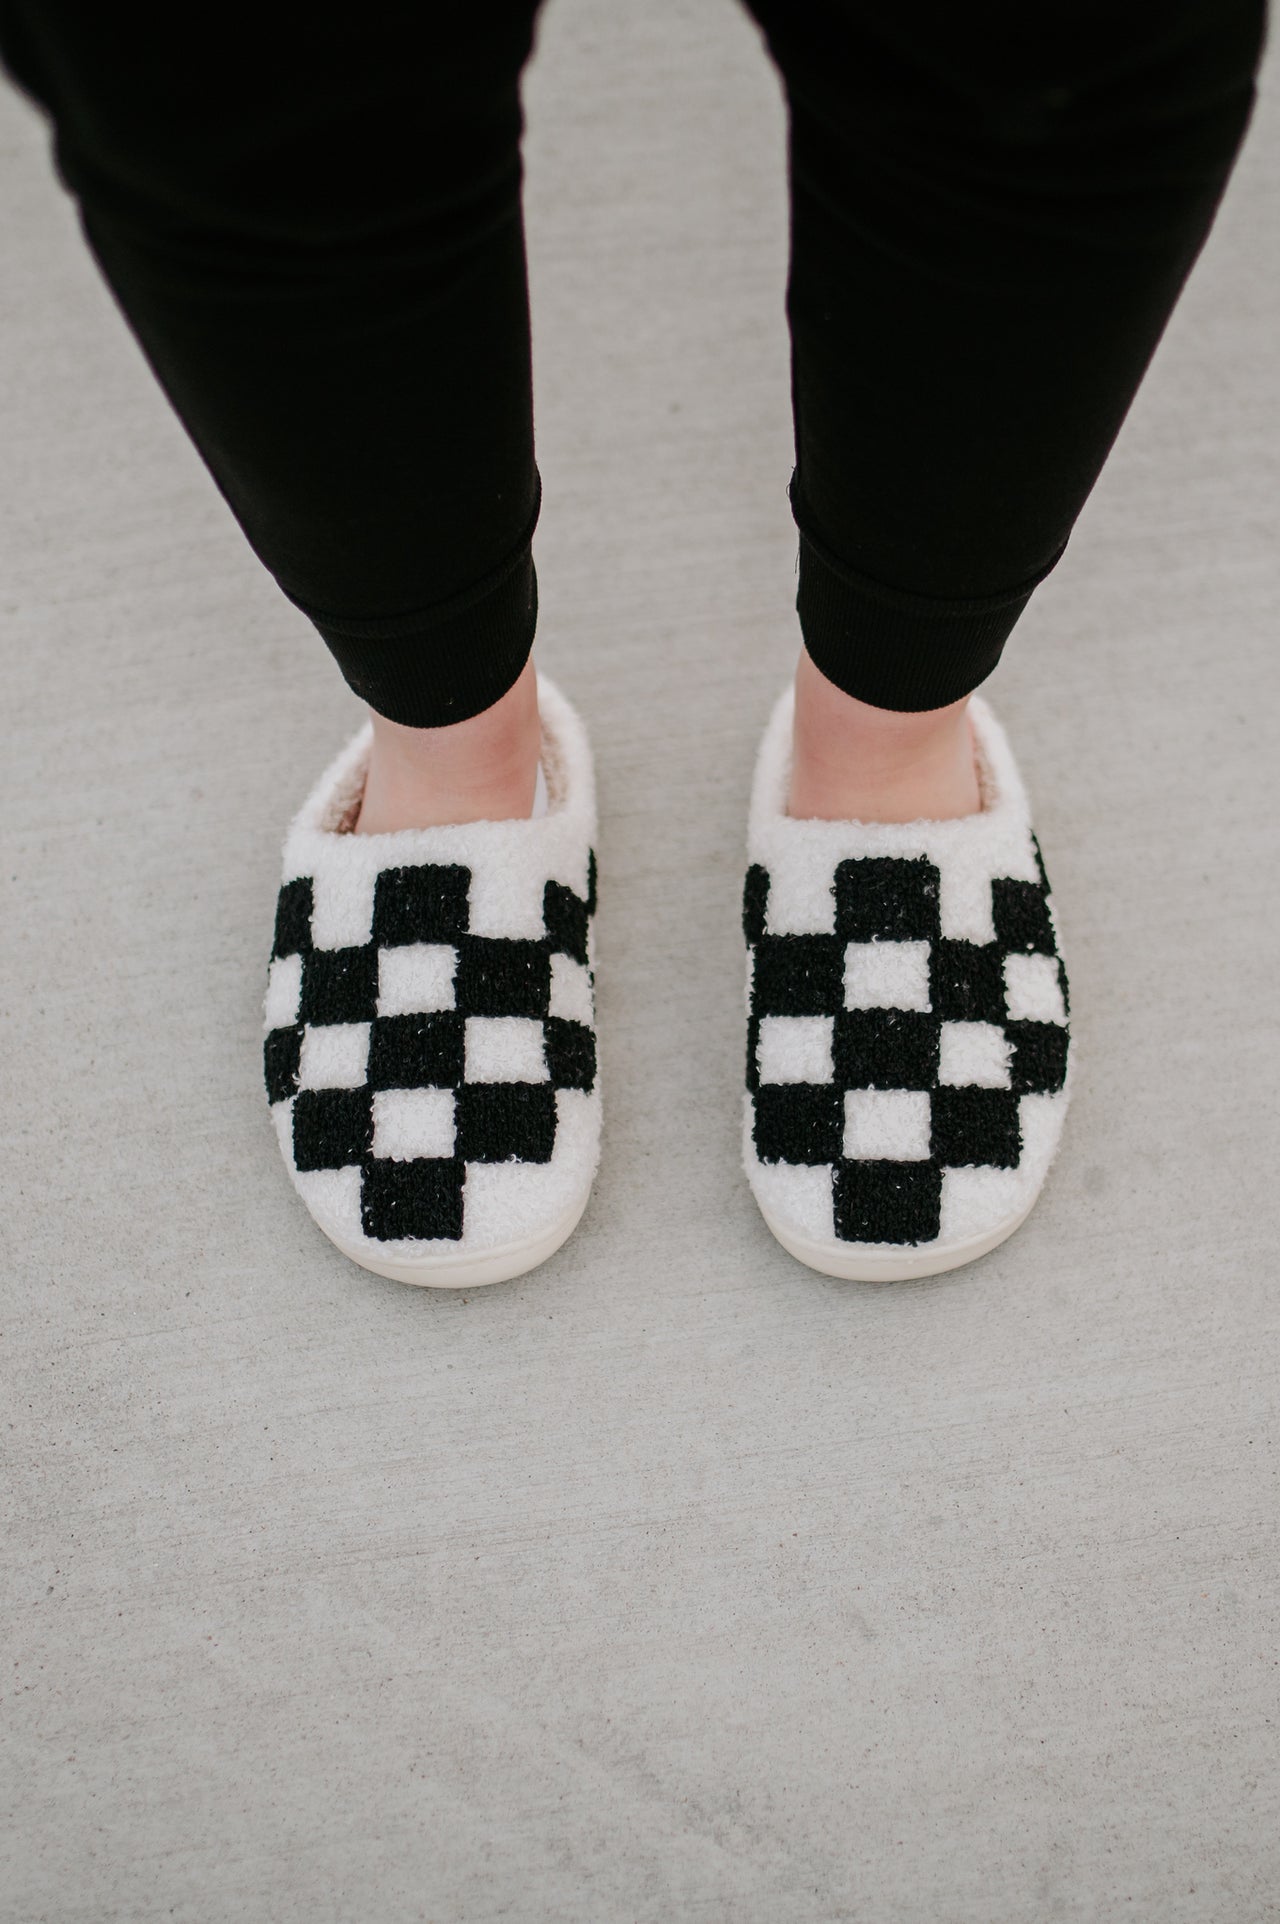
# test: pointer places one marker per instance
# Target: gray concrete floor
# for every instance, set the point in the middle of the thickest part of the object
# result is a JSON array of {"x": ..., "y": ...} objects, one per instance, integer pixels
[{"x": 674, "y": 1581}]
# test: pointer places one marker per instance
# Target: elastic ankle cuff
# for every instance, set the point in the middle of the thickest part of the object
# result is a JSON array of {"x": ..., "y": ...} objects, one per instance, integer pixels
[
  {"x": 895, "y": 649},
  {"x": 446, "y": 662}
]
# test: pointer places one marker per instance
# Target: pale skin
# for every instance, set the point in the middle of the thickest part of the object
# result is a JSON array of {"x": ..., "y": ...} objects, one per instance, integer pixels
[
  {"x": 484, "y": 769},
  {"x": 851, "y": 762}
]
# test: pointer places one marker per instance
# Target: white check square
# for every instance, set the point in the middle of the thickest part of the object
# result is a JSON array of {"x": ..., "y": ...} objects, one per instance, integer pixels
[
  {"x": 335, "y": 1055},
  {"x": 409, "y": 1123},
  {"x": 570, "y": 990},
  {"x": 886, "y": 975},
  {"x": 795, "y": 1048},
  {"x": 505, "y": 1048},
  {"x": 889, "y": 1125},
  {"x": 416, "y": 979},
  {"x": 1032, "y": 991},
  {"x": 284, "y": 992},
  {"x": 974, "y": 1053}
]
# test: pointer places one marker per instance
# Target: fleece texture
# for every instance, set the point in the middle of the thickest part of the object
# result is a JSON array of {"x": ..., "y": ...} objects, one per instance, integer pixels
[
  {"x": 908, "y": 1052},
  {"x": 430, "y": 1045}
]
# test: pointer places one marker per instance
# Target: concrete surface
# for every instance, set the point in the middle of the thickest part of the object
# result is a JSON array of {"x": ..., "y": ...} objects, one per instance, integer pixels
[{"x": 673, "y": 1582}]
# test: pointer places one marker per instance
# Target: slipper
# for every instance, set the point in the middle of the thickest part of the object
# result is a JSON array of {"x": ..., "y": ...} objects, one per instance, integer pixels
[
  {"x": 907, "y": 1039},
  {"x": 430, "y": 1046}
]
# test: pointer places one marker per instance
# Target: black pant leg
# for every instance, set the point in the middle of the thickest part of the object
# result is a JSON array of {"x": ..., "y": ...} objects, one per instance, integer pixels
[
  {"x": 994, "y": 209},
  {"x": 312, "y": 222}
]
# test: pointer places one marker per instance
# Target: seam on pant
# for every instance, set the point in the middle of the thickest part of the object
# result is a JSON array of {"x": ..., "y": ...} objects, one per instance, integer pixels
[{"x": 910, "y": 601}]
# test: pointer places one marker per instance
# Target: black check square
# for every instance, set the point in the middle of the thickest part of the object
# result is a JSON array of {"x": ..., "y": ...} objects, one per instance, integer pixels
[
  {"x": 797, "y": 975},
  {"x": 564, "y": 916},
  {"x": 294, "y": 905},
  {"x": 885, "y": 1049},
  {"x": 1039, "y": 1064},
  {"x": 339, "y": 985},
  {"x": 421, "y": 1197},
  {"x": 755, "y": 898},
  {"x": 417, "y": 1051},
  {"x": 332, "y": 1128},
  {"x": 753, "y": 1045},
  {"x": 500, "y": 975},
  {"x": 281, "y": 1055},
  {"x": 570, "y": 1052},
  {"x": 1020, "y": 912},
  {"x": 428, "y": 903},
  {"x": 887, "y": 899},
  {"x": 886, "y": 1202},
  {"x": 798, "y": 1122},
  {"x": 505, "y": 1121},
  {"x": 966, "y": 981},
  {"x": 973, "y": 1126}
]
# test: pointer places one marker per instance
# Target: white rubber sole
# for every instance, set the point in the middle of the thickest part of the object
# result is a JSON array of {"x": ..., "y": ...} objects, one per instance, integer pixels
[
  {"x": 471, "y": 1269},
  {"x": 889, "y": 1262}
]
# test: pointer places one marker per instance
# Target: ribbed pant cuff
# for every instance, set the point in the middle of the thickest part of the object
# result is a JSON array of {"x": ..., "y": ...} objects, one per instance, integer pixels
[
  {"x": 448, "y": 661},
  {"x": 893, "y": 649}
]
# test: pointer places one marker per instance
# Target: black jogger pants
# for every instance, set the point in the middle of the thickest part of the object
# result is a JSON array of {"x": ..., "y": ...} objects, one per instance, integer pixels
[{"x": 313, "y": 226}]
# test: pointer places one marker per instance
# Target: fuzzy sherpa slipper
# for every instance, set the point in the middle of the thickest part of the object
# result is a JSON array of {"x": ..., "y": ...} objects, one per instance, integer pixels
[
  {"x": 430, "y": 1049},
  {"x": 907, "y": 1045}
]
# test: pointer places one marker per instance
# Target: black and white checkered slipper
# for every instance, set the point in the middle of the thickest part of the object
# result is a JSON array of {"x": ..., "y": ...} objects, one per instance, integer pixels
[
  {"x": 430, "y": 1049},
  {"x": 907, "y": 1043}
]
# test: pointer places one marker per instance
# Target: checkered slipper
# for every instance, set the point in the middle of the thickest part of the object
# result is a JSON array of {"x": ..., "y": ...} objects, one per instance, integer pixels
[
  {"x": 430, "y": 1049},
  {"x": 907, "y": 1044}
]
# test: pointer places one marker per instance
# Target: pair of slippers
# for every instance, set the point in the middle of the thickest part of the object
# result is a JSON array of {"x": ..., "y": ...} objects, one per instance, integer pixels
[{"x": 430, "y": 1027}]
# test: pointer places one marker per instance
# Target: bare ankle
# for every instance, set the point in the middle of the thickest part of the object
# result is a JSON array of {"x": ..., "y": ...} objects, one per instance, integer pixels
[
  {"x": 481, "y": 769},
  {"x": 855, "y": 762}
]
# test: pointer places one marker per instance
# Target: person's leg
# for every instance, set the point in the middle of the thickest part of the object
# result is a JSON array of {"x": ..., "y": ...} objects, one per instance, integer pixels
[
  {"x": 316, "y": 236},
  {"x": 993, "y": 214}
]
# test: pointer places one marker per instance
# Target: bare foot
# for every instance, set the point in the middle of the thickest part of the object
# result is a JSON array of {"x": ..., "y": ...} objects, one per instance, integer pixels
[
  {"x": 483, "y": 769},
  {"x": 855, "y": 763}
]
